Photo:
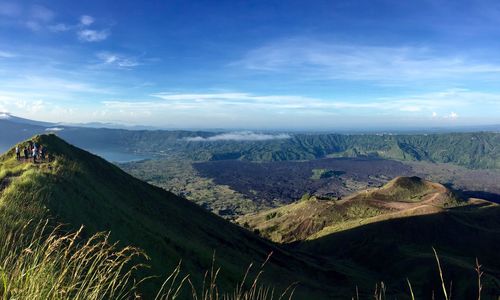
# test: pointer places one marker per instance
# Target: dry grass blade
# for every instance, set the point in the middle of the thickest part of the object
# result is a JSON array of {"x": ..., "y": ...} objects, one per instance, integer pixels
[
  {"x": 443, "y": 285},
  {"x": 411, "y": 289},
  {"x": 479, "y": 275}
]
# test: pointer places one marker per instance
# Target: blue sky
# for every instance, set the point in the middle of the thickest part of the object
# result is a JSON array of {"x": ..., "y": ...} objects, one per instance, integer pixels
[{"x": 252, "y": 64}]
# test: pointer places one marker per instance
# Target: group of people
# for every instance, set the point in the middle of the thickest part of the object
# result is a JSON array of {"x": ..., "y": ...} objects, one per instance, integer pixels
[{"x": 31, "y": 151}]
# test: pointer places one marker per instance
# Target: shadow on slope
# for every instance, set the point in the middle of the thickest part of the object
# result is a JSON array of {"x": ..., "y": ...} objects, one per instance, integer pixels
[
  {"x": 397, "y": 249},
  {"x": 80, "y": 188}
]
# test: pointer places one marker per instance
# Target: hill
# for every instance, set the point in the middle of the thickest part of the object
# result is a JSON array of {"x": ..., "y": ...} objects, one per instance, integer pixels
[
  {"x": 398, "y": 246},
  {"x": 312, "y": 217},
  {"x": 77, "y": 188},
  {"x": 376, "y": 235}
]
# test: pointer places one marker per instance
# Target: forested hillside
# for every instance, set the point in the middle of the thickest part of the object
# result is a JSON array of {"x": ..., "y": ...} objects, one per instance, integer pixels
[
  {"x": 477, "y": 150},
  {"x": 473, "y": 150}
]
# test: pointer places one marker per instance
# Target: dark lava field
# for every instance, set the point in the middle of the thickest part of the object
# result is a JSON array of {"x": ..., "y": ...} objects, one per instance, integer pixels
[{"x": 285, "y": 182}]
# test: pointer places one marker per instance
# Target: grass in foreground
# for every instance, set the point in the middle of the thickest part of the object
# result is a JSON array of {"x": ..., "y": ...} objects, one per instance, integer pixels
[
  {"x": 48, "y": 265},
  {"x": 43, "y": 264}
]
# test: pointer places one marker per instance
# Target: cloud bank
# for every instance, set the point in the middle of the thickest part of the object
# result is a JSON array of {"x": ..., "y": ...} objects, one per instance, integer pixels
[
  {"x": 240, "y": 136},
  {"x": 318, "y": 60}
]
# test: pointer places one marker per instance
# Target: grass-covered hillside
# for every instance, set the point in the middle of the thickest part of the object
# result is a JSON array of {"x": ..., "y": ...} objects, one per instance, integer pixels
[
  {"x": 388, "y": 231},
  {"x": 77, "y": 188},
  {"x": 397, "y": 250},
  {"x": 311, "y": 217}
]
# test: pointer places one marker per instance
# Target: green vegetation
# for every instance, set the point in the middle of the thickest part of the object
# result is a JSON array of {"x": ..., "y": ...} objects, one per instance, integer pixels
[
  {"x": 324, "y": 173},
  {"x": 397, "y": 246},
  {"x": 472, "y": 150},
  {"x": 179, "y": 177},
  {"x": 79, "y": 188},
  {"x": 311, "y": 217},
  {"x": 40, "y": 264},
  {"x": 410, "y": 189}
]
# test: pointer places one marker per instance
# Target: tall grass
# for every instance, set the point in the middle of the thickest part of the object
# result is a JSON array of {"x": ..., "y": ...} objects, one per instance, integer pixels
[
  {"x": 42, "y": 264},
  {"x": 380, "y": 288},
  {"x": 38, "y": 263},
  {"x": 247, "y": 289}
]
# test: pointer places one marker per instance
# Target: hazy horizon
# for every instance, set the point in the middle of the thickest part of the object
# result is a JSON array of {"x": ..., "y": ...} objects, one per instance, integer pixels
[
  {"x": 57, "y": 126},
  {"x": 320, "y": 65}
]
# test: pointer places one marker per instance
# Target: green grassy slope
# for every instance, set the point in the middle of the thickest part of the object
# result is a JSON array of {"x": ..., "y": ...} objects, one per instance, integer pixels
[
  {"x": 401, "y": 248},
  {"x": 371, "y": 237},
  {"x": 80, "y": 188},
  {"x": 312, "y": 217}
]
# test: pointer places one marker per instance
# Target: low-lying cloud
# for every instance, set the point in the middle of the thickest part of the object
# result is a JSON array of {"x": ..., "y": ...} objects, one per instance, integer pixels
[
  {"x": 54, "y": 129},
  {"x": 240, "y": 136}
]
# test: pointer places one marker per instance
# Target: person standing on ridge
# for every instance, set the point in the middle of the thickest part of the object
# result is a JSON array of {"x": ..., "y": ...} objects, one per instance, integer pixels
[
  {"x": 34, "y": 154},
  {"x": 41, "y": 152},
  {"x": 18, "y": 153}
]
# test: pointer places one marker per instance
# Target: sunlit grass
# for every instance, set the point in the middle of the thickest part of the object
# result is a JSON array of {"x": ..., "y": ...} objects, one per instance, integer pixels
[
  {"x": 43, "y": 264},
  {"x": 39, "y": 263}
]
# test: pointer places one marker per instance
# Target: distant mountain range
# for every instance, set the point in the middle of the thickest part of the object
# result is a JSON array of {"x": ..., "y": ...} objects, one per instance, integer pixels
[{"x": 469, "y": 149}]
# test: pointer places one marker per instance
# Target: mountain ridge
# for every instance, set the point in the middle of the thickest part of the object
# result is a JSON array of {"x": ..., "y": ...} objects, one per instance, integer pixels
[
  {"x": 312, "y": 218},
  {"x": 77, "y": 187},
  {"x": 474, "y": 150}
]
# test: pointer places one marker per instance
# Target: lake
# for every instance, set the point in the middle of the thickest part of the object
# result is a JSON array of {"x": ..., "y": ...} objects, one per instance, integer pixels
[{"x": 119, "y": 157}]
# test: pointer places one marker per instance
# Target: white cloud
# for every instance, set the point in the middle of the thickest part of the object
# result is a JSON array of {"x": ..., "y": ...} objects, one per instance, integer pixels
[
  {"x": 28, "y": 106},
  {"x": 117, "y": 60},
  {"x": 86, "y": 20},
  {"x": 239, "y": 136},
  {"x": 452, "y": 116},
  {"x": 233, "y": 108},
  {"x": 410, "y": 108},
  {"x": 54, "y": 129},
  {"x": 411, "y": 104},
  {"x": 243, "y": 101},
  {"x": 315, "y": 60},
  {"x": 88, "y": 35},
  {"x": 35, "y": 18},
  {"x": 59, "y": 27}
]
